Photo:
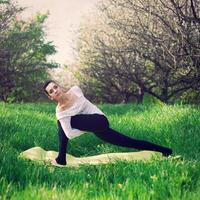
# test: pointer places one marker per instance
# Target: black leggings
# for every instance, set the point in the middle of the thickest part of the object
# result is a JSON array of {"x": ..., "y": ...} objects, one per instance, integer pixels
[{"x": 99, "y": 125}]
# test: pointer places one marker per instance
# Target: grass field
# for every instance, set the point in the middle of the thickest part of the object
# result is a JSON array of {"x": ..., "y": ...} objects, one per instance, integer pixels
[{"x": 23, "y": 126}]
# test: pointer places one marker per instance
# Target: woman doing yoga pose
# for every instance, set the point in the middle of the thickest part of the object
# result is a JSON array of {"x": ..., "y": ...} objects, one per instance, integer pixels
[{"x": 76, "y": 114}]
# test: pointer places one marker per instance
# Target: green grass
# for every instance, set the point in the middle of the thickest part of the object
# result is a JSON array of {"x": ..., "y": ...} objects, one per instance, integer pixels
[{"x": 23, "y": 126}]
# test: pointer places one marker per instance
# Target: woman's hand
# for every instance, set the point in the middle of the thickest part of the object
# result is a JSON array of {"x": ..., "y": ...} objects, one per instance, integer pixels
[{"x": 53, "y": 162}]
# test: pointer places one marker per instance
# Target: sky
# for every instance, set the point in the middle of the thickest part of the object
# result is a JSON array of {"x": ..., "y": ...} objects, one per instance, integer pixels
[{"x": 64, "y": 18}]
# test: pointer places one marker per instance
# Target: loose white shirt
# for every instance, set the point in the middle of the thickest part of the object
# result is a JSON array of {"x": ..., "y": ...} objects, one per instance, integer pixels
[{"x": 81, "y": 106}]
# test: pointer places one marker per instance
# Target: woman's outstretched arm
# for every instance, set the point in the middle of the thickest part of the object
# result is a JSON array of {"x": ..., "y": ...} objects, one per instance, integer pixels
[{"x": 63, "y": 141}]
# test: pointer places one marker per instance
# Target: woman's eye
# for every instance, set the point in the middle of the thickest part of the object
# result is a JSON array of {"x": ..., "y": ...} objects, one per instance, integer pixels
[{"x": 55, "y": 86}]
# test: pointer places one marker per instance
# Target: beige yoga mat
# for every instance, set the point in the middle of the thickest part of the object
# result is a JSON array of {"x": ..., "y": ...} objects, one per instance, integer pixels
[{"x": 40, "y": 155}]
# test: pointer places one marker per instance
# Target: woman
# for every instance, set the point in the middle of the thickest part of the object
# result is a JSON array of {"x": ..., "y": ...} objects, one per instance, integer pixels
[{"x": 76, "y": 114}]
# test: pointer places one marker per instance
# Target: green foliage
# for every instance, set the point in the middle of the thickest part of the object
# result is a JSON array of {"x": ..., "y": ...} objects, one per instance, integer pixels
[
  {"x": 24, "y": 52},
  {"x": 4, "y": 1},
  {"x": 151, "y": 100},
  {"x": 189, "y": 97},
  {"x": 23, "y": 126}
]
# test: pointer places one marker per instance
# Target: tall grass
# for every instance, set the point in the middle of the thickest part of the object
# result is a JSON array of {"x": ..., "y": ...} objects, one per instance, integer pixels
[{"x": 23, "y": 126}]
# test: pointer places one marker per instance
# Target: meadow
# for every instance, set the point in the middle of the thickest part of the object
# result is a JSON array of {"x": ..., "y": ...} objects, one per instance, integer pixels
[{"x": 23, "y": 126}]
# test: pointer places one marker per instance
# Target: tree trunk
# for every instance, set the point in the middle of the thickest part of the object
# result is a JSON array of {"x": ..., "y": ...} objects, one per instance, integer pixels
[{"x": 140, "y": 94}]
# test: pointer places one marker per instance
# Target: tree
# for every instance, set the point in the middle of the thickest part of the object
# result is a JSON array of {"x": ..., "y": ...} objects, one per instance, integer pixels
[
  {"x": 104, "y": 76},
  {"x": 151, "y": 46},
  {"x": 23, "y": 56},
  {"x": 163, "y": 38}
]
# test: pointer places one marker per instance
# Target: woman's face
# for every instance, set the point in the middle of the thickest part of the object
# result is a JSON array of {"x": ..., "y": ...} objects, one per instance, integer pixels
[{"x": 54, "y": 91}]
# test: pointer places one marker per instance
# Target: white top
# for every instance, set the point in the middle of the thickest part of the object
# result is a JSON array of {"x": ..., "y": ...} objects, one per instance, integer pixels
[{"x": 80, "y": 106}]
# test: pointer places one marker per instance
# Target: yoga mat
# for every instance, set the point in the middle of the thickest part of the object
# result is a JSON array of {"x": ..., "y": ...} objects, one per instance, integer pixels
[{"x": 44, "y": 157}]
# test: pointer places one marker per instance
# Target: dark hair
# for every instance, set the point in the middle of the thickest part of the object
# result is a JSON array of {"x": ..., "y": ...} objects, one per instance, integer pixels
[{"x": 46, "y": 84}]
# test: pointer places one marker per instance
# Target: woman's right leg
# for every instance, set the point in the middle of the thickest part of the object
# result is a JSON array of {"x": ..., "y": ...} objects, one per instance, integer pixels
[{"x": 100, "y": 126}]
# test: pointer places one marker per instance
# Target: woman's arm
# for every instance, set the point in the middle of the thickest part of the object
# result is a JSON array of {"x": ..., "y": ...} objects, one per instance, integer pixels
[{"x": 63, "y": 141}]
